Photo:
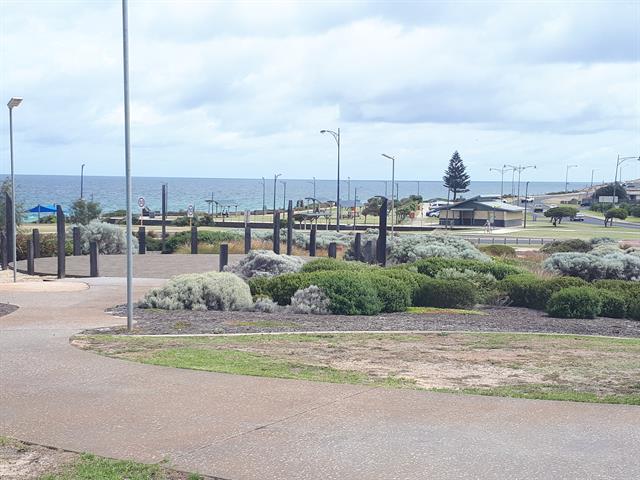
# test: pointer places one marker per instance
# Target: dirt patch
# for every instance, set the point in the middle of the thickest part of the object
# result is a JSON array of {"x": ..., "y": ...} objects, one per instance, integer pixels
[
  {"x": 494, "y": 319},
  {"x": 20, "y": 461}
]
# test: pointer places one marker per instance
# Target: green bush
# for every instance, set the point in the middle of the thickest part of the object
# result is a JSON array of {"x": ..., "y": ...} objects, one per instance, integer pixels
[
  {"x": 394, "y": 294},
  {"x": 614, "y": 304},
  {"x": 633, "y": 308},
  {"x": 281, "y": 287},
  {"x": 350, "y": 293},
  {"x": 498, "y": 250},
  {"x": 204, "y": 236},
  {"x": 532, "y": 292},
  {"x": 628, "y": 290},
  {"x": 332, "y": 264},
  {"x": 432, "y": 266},
  {"x": 411, "y": 278},
  {"x": 575, "y": 302},
  {"x": 570, "y": 245},
  {"x": 446, "y": 294},
  {"x": 259, "y": 286}
]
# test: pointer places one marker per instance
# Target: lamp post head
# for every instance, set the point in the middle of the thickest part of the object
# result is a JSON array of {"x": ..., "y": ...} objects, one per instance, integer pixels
[
  {"x": 388, "y": 156},
  {"x": 323, "y": 131},
  {"x": 14, "y": 102}
]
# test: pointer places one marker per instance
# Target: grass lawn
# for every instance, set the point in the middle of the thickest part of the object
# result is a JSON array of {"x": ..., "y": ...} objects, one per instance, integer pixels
[
  {"x": 554, "y": 367},
  {"x": 22, "y": 460}
]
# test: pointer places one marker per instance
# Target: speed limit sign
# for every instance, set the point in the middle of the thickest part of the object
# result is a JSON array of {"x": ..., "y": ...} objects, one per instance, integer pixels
[
  {"x": 141, "y": 202},
  {"x": 190, "y": 211}
]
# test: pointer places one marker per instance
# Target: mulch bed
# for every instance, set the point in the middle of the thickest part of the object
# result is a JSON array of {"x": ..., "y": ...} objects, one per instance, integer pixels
[
  {"x": 495, "y": 319},
  {"x": 7, "y": 308}
]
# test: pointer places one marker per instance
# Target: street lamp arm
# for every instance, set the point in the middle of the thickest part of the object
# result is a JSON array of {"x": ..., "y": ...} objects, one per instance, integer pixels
[{"x": 335, "y": 135}]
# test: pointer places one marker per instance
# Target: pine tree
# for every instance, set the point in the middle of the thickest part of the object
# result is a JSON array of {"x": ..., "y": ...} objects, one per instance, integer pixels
[{"x": 455, "y": 177}]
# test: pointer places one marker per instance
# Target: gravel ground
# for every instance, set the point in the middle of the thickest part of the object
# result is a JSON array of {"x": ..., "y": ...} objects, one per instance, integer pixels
[
  {"x": 495, "y": 319},
  {"x": 7, "y": 308}
]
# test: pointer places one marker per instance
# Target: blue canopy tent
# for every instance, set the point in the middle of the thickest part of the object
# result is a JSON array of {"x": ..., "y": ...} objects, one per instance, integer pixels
[{"x": 42, "y": 209}]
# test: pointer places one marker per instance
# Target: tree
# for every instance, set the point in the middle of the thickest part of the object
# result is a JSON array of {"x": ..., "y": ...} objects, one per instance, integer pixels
[
  {"x": 607, "y": 191},
  {"x": 82, "y": 212},
  {"x": 612, "y": 213},
  {"x": 455, "y": 177},
  {"x": 5, "y": 187},
  {"x": 371, "y": 207},
  {"x": 556, "y": 214}
]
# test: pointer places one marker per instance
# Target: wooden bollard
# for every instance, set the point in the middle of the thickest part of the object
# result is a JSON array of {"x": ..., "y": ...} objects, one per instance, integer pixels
[
  {"x": 224, "y": 255},
  {"x": 357, "y": 247},
  {"x": 290, "y": 228},
  {"x": 142, "y": 240},
  {"x": 93, "y": 259},
  {"x": 4, "y": 258},
  {"x": 247, "y": 239},
  {"x": 333, "y": 250},
  {"x": 276, "y": 232},
  {"x": 35, "y": 235},
  {"x": 61, "y": 238},
  {"x": 77, "y": 247},
  {"x": 30, "y": 263},
  {"x": 381, "y": 247},
  {"x": 312, "y": 240},
  {"x": 194, "y": 240}
]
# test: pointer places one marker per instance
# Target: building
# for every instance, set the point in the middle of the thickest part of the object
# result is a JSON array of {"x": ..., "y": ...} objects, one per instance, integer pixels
[
  {"x": 477, "y": 210},
  {"x": 633, "y": 192}
]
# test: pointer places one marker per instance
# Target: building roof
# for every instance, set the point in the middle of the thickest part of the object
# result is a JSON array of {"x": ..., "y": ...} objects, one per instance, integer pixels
[{"x": 482, "y": 201}]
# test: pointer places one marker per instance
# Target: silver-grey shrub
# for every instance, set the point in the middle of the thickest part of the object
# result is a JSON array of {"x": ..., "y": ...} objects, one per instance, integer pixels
[
  {"x": 589, "y": 266},
  {"x": 265, "y": 263},
  {"x": 266, "y": 305},
  {"x": 409, "y": 248},
  {"x": 111, "y": 239},
  {"x": 483, "y": 281},
  {"x": 201, "y": 291},
  {"x": 310, "y": 300}
]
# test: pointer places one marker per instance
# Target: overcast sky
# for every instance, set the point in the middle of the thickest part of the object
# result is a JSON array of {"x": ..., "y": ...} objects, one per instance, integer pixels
[{"x": 241, "y": 89}]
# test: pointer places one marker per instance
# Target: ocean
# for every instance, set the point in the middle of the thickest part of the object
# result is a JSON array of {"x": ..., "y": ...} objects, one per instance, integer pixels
[{"x": 232, "y": 193}]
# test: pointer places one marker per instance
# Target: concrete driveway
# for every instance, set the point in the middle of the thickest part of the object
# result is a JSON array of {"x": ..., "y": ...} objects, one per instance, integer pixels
[{"x": 240, "y": 427}]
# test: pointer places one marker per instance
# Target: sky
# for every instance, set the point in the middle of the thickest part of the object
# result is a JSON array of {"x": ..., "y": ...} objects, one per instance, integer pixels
[{"x": 242, "y": 89}]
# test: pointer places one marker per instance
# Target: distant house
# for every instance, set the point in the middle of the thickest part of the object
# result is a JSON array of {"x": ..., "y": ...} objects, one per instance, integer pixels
[
  {"x": 477, "y": 210},
  {"x": 633, "y": 191}
]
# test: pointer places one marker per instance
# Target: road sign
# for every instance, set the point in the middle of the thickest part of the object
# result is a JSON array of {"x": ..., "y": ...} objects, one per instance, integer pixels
[
  {"x": 141, "y": 202},
  {"x": 190, "y": 211}
]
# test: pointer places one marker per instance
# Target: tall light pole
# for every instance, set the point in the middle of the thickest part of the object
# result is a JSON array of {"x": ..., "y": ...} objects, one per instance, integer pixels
[
  {"x": 418, "y": 187},
  {"x": 81, "y": 181},
  {"x": 275, "y": 187},
  {"x": 127, "y": 156},
  {"x": 336, "y": 137},
  {"x": 264, "y": 202},
  {"x": 349, "y": 189},
  {"x": 615, "y": 179},
  {"x": 501, "y": 170},
  {"x": 393, "y": 182},
  {"x": 13, "y": 103},
  {"x": 314, "y": 186},
  {"x": 526, "y": 202},
  {"x": 566, "y": 178},
  {"x": 592, "y": 172},
  {"x": 519, "y": 169},
  {"x": 284, "y": 196}
]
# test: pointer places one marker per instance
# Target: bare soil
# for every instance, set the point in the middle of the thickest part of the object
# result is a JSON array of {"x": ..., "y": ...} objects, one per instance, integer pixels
[{"x": 491, "y": 319}]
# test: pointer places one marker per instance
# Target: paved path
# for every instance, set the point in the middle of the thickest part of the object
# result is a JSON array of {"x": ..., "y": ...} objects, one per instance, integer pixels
[{"x": 258, "y": 428}]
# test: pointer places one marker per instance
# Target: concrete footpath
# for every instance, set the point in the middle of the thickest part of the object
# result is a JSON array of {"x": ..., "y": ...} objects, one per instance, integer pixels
[{"x": 240, "y": 427}]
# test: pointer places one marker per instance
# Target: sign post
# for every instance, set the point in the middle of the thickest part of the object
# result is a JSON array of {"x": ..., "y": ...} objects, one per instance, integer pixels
[
  {"x": 190, "y": 213},
  {"x": 141, "y": 204}
]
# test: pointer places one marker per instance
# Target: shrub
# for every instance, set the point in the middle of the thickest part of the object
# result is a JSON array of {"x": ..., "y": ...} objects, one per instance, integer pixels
[
  {"x": 446, "y": 294},
  {"x": 330, "y": 264},
  {"x": 201, "y": 291},
  {"x": 408, "y": 276},
  {"x": 111, "y": 239},
  {"x": 633, "y": 308},
  {"x": 485, "y": 283},
  {"x": 310, "y": 300},
  {"x": 614, "y": 305},
  {"x": 394, "y": 294},
  {"x": 603, "y": 240},
  {"x": 259, "y": 285},
  {"x": 575, "y": 302},
  {"x": 204, "y": 236},
  {"x": 629, "y": 291},
  {"x": 265, "y": 263},
  {"x": 500, "y": 270},
  {"x": 265, "y": 305},
  {"x": 48, "y": 245},
  {"x": 350, "y": 293},
  {"x": 607, "y": 265},
  {"x": 282, "y": 287},
  {"x": 532, "y": 292},
  {"x": 498, "y": 250},
  {"x": 409, "y": 248},
  {"x": 571, "y": 245}
]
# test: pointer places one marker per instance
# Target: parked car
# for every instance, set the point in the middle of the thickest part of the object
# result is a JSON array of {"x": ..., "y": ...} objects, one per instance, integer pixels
[
  {"x": 538, "y": 208},
  {"x": 579, "y": 217},
  {"x": 433, "y": 213}
]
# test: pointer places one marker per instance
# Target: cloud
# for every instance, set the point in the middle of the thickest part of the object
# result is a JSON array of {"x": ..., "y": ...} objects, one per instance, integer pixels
[{"x": 242, "y": 88}]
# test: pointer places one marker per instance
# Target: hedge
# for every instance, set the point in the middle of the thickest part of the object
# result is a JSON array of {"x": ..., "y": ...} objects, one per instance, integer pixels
[
  {"x": 446, "y": 294},
  {"x": 431, "y": 266},
  {"x": 332, "y": 264},
  {"x": 575, "y": 302},
  {"x": 533, "y": 292},
  {"x": 395, "y": 295},
  {"x": 614, "y": 304}
]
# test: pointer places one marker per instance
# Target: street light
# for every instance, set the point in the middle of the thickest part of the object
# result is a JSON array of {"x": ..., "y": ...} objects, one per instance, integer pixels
[
  {"x": 336, "y": 137},
  {"x": 615, "y": 179},
  {"x": 348, "y": 189},
  {"x": 314, "y": 186},
  {"x": 566, "y": 178},
  {"x": 127, "y": 161},
  {"x": 13, "y": 103},
  {"x": 592, "y": 171},
  {"x": 284, "y": 196},
  {"x": 393, "y": 180},
  {"x": 275, "y": 187},
  {"x": 519, "y": 169},
  {"x": 501, "y": 170},
  {"x": 81, "y": 180}
]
